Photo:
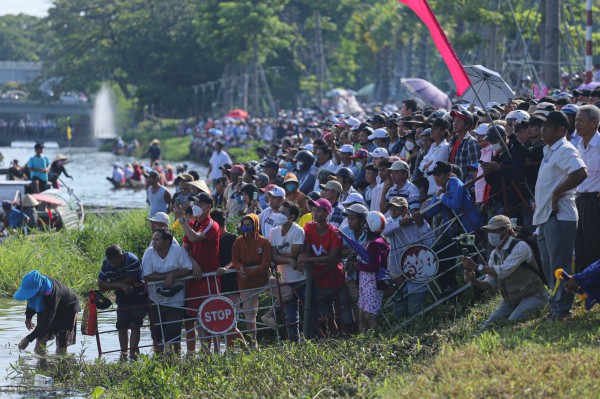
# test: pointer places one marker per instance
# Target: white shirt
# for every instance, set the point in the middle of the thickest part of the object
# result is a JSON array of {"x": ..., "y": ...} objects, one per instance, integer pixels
[
  {"x": 177, "y": 259},
  {"x": 376, "y": 197},
  {"x": 294, "y": 236},
  {"x": 560, "y": 160},
  {"x": 591, "y": 158},
  {"x": 118, "y": 174},
  {"x": 437, "y": 152},
  {"x": 218, "y": 159},
  {"x": 267, "y": 221}
]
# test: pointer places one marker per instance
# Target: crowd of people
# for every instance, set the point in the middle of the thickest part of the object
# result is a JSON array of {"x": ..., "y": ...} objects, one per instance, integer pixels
[{"x": 334, "y": 204}]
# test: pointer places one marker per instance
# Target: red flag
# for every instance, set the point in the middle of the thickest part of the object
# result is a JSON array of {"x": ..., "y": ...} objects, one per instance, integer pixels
[{"x": 422, "y": 9}]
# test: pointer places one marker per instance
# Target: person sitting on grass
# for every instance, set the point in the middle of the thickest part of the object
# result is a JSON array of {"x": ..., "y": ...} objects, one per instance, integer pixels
[
  {"x": 512, "y": 267},
  {"x": 122, "y": 272}
]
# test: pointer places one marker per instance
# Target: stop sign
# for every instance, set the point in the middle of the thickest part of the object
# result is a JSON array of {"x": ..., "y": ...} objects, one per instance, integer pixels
[{"x": 217, "y": 315}]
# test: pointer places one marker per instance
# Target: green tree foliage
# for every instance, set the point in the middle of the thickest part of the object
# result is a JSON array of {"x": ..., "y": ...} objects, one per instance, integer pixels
[{"x": 20, "y": 38}]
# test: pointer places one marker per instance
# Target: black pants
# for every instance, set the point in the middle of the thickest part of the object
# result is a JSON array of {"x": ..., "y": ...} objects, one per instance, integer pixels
[{"x": 587, "y": 239}]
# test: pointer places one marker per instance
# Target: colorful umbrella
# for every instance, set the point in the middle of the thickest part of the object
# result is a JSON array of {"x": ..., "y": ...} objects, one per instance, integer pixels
[
  {"x": 428, "y": 92},
  {"x": 238, "y": 114}
]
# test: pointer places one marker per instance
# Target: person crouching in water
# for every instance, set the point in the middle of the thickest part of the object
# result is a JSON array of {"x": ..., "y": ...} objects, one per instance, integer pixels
[
  {"x": 370, "y": 296},
  {"x": 56, "y": 307}
]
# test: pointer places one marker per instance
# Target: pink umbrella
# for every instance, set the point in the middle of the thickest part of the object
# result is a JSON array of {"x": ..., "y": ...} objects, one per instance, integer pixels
[
  {"x": 428, "y": 92},
  {"x": 589, "y": 86},
  {"x": 238, "y": 114}
]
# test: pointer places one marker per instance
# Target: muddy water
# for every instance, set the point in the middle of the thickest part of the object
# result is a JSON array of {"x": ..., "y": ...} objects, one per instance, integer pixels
[{"x": 12, "y": 330}]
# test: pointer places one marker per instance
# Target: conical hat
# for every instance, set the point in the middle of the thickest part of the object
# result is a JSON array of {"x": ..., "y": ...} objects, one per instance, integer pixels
[
  {"x": 290, "y": 177},
  {"x": 28, "y": 200},
  {"x": 200, "y": 185},
  {"x": 60, "y": 157}
]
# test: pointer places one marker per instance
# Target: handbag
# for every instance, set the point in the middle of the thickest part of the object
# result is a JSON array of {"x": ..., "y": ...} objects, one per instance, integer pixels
[{"x": 89, "y": 321}]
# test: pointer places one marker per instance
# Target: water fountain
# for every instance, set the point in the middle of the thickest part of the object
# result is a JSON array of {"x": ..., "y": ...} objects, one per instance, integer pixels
[{"x": 103, "y": 118}]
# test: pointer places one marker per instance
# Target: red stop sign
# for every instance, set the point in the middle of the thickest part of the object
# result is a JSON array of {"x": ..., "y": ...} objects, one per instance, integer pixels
[{"x": 217, "y": 315}]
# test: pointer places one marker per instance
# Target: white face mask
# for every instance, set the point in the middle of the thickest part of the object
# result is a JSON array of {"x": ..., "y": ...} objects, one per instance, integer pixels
[
  {"x": 409, "y": 145},
  {"x": 497, "y": 147},
  {"x": 280, "y": 219},
  {"x": 359, "y": 165},
  {"x": 196, "y": 210},
  {"x": 494, "y": 239},
  {"x": 420, "y": 143}
]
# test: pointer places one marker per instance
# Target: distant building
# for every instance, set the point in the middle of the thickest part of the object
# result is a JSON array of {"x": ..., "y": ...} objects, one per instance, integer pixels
[{"x": 19, "y": 71}]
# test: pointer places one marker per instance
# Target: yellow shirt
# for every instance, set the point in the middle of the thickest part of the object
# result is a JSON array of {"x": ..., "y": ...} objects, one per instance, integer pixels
[{"x": 307, "y": 217}]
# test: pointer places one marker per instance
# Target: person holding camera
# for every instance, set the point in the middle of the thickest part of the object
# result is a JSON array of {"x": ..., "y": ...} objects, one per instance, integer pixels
[{"x": 513, "y": 269}]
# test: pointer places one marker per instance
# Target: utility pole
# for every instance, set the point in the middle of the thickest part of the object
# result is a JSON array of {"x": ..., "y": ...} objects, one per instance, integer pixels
[
  {"x": 255, "y": 87},
  {"x": 320, "y": 59},
  {"x": 552, "y": 44},
  {"x": 588, "y": 42}
]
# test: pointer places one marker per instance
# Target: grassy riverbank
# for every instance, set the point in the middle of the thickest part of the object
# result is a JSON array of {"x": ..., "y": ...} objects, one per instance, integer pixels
[
  {"x": 75, "y": 256},
  {"x": 442, "y": 355}
]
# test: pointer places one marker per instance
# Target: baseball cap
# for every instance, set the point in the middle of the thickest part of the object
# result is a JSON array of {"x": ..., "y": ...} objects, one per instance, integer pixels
[
  {"x": 263, "y": 177},
  {"x": 160, "y": 217},
  {"x": 347, "y": 148},
  {"x": 321, "y": 203},
  {"x": 557, "y": 118},
  {"x": 482, "y": 129},
  {"x": 495, "y": 132},
  {"x": 332, "y": 185},
  {"x": 354, "y": 198},
  {"x": 441, "y": 167},
  {"x": 378, "y": 134},
  {"x": 380, "y": 152},
  {"x": 355, "y": 209},
  {"x": 399, "y": 202},
  {"x": 378, "y": 119},
  {"x": 466, "y": 115},
  {"x": 352, "y": 122},
  {"x": 202, "y": 197},
  {"x": 267, "y": 189},
  {"x": 277, "y": 191},
  {"x": 517, "y": 116},
  {"x": 39, "y": 145},
  {"x": 237, "y": 169},
  {"x": 497, "y": 222},
  {"x": 570, "y": 109},
  {"x": 536, "y": 120},
  {"x": 426, "y": 132},
  {"x": 361, "y": 153},
  {"x": 270, "y": 164},
  {"x": 400, "y": 165},
  {"x": 30, "y": 285},
  {"x": 309, "y": 147}
]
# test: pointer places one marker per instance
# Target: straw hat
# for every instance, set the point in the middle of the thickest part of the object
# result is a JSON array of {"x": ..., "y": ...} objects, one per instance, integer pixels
[
  {"x": 155, "y": 141},
  {"x": 60, "y": 157},
  {"x": 200, "y": 185},
  {"x": 28, "y": 201}
]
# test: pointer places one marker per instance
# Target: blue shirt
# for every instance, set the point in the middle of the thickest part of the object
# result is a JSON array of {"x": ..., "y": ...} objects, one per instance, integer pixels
[
  {"x": 15, "y": 218},
  {"x": 131, "y": 268},
  {"x": 37, "y": 163}
]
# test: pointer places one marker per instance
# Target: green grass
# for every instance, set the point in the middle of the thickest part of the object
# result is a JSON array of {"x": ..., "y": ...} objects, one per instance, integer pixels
[
  {"x": 73, "y": 257},
  {"x": 441, "y": 355}
]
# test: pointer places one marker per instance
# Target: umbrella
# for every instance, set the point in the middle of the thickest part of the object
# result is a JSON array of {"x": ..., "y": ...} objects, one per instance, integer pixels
[
  {"x": 366, "y": 91},
  {"x": 428, "y": 92},
  {"x": 488, "y": 84},
  {"x": 339, "y": 92},
  {"x": 589, "y": 86},
  {"x": 215, "y": 132},
  {"x": 238, "y": 114}
]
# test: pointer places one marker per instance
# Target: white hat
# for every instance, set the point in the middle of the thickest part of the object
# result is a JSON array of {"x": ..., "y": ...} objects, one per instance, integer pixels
[
  {"x": 347, "y": 148},
  {"x": 378, "y": 134},
  {"x": 400, "y": 165},
  {"x": 380, "y": 152},
  {"x": 277, "y": 192},
  {"x": 160, "y": 217},
  {"x": 517, "y": 115},
  {"x": 570, "y": 109},
  {"x": 310, "y": 147},
  {"x": 354, "y": 198},
  {"x": 352, "y": 122},
  {"x": 482, "y": 129}
]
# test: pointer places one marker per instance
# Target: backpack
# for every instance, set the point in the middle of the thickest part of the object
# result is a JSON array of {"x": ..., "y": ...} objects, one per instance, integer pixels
[{"x": 536, "y": 254}]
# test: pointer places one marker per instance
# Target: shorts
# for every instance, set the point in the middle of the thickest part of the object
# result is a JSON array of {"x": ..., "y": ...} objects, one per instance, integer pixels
[
  {"x": 199, "y": 291},
  {"x": 169, "y": 325},
  {"x": 131, "y": 316}
]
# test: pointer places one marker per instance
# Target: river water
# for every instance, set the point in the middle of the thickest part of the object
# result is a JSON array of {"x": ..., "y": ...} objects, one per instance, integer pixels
[{"x": 89, "y": 168}]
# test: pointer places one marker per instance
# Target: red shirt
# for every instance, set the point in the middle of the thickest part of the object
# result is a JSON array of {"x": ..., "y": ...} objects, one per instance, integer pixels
[
  {"x": 454, "y": 150},
  {"x": 205, "y": 252},
  {"x": 323, "y": 274}
]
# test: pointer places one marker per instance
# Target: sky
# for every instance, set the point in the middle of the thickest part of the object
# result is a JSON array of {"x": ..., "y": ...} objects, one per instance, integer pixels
[{"x": 39, "y": 8}]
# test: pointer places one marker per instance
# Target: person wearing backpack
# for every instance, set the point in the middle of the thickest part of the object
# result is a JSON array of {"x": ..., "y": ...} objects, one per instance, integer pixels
[{"x": 513, "y": 269}]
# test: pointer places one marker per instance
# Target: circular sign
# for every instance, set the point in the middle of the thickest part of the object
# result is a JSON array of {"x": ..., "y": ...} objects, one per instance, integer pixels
[
  {"x": 419, "y": 264},
  {"x": 217, "y": 315}
]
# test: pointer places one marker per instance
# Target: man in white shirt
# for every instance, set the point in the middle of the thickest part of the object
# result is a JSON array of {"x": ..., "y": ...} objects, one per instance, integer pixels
[
  {"x": 587, "y": 240},
  {"x": 561, "y": 171},
  {"x": 383, "y": 176},
  {"x": 166, "y": 263},
  {"x": 287, "y": 241},
  {"x": 438, "y": 151},
  {"x": 217, "y": 159},
  {"x": 268, "y": 217}
]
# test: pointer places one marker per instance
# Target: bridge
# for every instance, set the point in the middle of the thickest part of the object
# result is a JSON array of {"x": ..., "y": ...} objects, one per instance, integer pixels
[{"x": 25, "y": 107}]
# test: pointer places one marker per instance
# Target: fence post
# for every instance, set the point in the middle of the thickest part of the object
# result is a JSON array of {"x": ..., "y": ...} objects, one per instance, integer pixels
[{"x": 307, "y": 300}]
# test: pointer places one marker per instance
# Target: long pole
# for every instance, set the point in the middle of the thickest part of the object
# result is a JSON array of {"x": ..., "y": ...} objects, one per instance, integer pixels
[{"x": 588, "y": 42}]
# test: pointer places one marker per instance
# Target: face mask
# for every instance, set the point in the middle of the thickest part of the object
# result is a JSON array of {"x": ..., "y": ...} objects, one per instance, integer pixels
[
  {"x": 196, "y": 210},
  {"x": 409, "y": 145},
  {"x": 497, "y": 147},
  {"x": 291, "y": 187},
  {"x": 494, "y": 239},
  {"x": 280, "y": 218},
  {"x": 420, "y": 143},
  {"x": 247, "y": 229},
  {"x": 359, "y": 165}
]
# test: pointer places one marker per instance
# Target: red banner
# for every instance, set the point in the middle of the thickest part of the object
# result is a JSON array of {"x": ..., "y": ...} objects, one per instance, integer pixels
[{"x": 422, "y": 9}]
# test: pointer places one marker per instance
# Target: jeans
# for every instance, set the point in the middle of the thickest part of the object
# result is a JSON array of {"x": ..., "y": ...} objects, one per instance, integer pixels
[
  {"x": 556, "y": 240},
  {"x": 525, "y": 308},
  {"x": 291, "y": 311},
  {"x": 324, "y": 300}
]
